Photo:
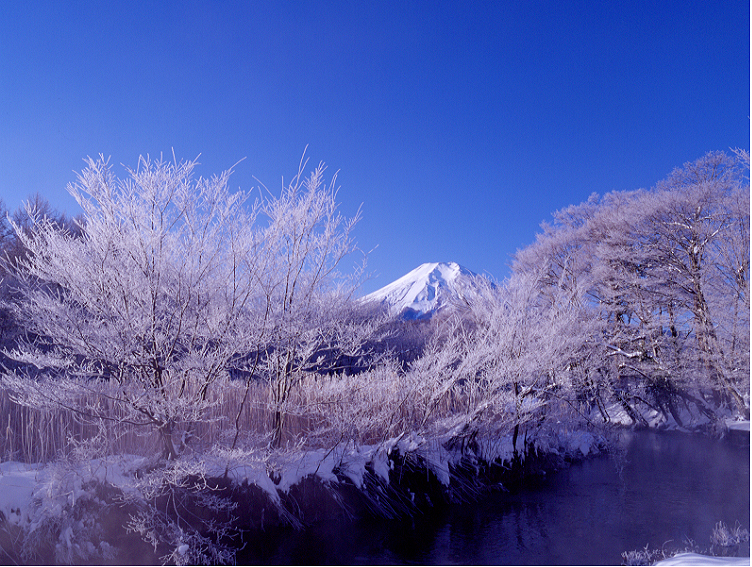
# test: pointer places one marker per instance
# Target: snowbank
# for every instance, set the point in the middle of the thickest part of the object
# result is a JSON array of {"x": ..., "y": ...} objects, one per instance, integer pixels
[
  {"x": 18, "y": 482},
  {"x": 697, "y": 559},
  {"x": 394, "y": 478},
  {"x": 21, "y": 484},
  {"x": 737, "y": 425}
]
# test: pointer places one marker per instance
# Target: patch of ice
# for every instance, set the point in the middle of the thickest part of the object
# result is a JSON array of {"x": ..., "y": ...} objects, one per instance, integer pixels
[
  {"x": 253, "y": 475},
  {"x": 298, "y": 466},
  {"x": 409, "y": 444},
  {"x": 353, "y": 465},
  {"x": 438, "y": 462}
]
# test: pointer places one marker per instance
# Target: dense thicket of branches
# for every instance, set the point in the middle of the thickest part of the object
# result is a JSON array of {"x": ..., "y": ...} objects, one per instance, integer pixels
[
  {"x": 165, "y": 286},
  {"x": 176, "y": 317},
  {"x": 168, "y": 290},
  {"x": 662, "y": 279}
]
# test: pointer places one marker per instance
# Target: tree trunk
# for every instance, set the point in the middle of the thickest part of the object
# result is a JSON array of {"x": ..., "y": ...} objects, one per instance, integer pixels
[
  {"x": 277, "y": 428},
  {"x": 707, "y": 342},
  {"x": 517, "y": 405},
  {"x": 166, "y": 433}
]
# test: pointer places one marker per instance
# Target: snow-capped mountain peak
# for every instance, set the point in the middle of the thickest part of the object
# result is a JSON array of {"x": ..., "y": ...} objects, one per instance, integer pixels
[{"x": 425, "y": 290}]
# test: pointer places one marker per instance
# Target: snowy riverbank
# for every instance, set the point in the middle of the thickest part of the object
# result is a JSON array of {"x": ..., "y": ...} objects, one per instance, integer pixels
[
  {"x": 63, "y": 501},
  {"x": 63, "y": 504}
]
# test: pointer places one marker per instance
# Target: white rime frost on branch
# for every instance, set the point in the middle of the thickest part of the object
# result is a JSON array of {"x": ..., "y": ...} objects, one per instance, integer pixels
[{"x": 171, "y": 282}]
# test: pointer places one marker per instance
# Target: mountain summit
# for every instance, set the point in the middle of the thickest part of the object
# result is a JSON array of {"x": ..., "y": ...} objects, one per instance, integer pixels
[{"x": 424, "y": 291}]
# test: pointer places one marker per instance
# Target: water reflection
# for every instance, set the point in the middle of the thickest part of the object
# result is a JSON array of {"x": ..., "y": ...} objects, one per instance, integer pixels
[{"x": 667, "y": 488}]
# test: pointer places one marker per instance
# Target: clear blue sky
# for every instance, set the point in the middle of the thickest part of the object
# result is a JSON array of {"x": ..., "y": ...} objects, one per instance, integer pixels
[{"x": 459, "y": 126}]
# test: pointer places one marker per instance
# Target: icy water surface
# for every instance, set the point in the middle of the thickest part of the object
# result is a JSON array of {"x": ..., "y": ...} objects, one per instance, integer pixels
[{"x": 667, "y": 488}]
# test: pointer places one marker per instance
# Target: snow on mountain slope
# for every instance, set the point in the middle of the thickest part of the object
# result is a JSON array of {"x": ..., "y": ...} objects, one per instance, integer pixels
[{"x": 427, "y": 289}]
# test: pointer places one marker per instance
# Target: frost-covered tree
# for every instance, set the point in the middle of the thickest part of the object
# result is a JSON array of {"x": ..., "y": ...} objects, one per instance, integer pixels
[
  {"x": 565, "y": 265},
  {"x": 680, "y": 258},
  {"x": 500, "y": 364},
  {"x": 154, "y": 296},
  {"x": 170, "y": 284},
  {"x": 732, "y": 274},
  {"x": 695, "y": 219},
  {"x": 662, "y": 278},
  {"x": 308, "y": 304},
  {"x": 12, "y": 249}
]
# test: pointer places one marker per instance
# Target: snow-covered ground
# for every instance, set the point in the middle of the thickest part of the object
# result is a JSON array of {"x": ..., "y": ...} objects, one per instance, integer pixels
[
  {"x": 738, "y": 425},
  {"x": 30, "y": 493},
  {"x": 697, "y": 559},
  {"x": 18, "y": 483}
]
